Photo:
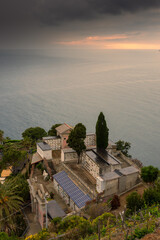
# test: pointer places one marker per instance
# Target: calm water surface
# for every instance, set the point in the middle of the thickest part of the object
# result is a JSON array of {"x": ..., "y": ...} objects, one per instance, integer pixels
[{"x": 40, "y": 88}]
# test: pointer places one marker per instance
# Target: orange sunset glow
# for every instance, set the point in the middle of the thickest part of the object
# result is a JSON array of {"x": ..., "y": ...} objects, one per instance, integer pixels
[{"x": 121, "y": 41}]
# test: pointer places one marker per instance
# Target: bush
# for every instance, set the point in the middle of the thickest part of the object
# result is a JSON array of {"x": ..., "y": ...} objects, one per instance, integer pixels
[
  {"x": 54, "y": 226},
  {"x": 4, "y": 236},
  {"x": 85, "y": 229},
  {"x": 151, "y": 196},
  {"x": 68, "y": 223},
  {"x": 39, "y": 236},
  {"x": 95, "y": 210},
  {"x": 105, "y": 219},
  {"x": 134, "y": 202},
  {"x": 149, "y": 174},
  {"x": 39, "y": 165},
  {"x": 115, "y": 202},
  {"x": 140, "y": 232}
]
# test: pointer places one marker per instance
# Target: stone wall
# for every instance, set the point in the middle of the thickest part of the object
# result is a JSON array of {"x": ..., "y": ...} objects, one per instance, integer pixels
[
  {"x": 69, "y": 156},
  {"x": 100, "y": 184},
  {"x": 44, "y": 154},
  {"x": 111, "y": 187},
  {"x": 131, "y": 180},
  {"x": 90, "y": 140},
  {"x": 54, "y": 143},
  {"x": 90, "y": 166}
]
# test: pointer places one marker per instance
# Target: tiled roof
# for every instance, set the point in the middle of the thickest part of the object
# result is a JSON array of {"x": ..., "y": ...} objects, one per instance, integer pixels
[
  {"x": 63, "y": 128},
  {"x": 36, "y": 158}
]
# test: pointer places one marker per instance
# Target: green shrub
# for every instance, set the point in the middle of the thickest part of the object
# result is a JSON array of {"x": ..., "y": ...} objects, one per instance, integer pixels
[
  {"x": 39, "y": 165},
  {"x": 149, "y": 174},
  {"x": 69, "y": 223},
  {"x": 4, "y": 236},
  {"x": 134, "y": 202},
  {"x": 42, "y": 235},
  {"x": 151, "y": 196},
  {"x": 94, "y": 210},
  {"x": 140, "y": 232},
  {"x": 92, "y": 237},
  {"x": 85, "y": 229},
  {"x": 104, "y": 220}
]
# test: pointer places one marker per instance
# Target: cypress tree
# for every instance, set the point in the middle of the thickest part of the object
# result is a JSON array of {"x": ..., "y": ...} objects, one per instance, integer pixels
[{"x": 102, "y": 132}]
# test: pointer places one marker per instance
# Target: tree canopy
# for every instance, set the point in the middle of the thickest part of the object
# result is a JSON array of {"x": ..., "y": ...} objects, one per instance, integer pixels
[
  {"x": 12, "y": 157},
  {"x": 151, "y": 196},
  {"x": 52, "y": 131},
  {"x": 76, "y": 139},
  {"x": 102, "y": 132},
  {"x": 124, "y": 147},
  {"x": 134, "y": 202},
  {"x": 22, "y": 187},
  {"x": 149, "y": 174},
  {"x": 34, "y": 133},
  {"x": 1, "y": 136},
  {"x": 9, "y": 204}
]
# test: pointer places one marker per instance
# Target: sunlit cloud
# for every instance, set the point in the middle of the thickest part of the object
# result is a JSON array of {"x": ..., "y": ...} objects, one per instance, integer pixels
[
  {"x": 122, "y": 41},
  {"x": 99, "y": 41},
  {"x": 132, "y": 46}
]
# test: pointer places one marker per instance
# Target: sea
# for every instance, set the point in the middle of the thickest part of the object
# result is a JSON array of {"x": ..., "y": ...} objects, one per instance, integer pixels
[{"x": 44, "y": 87}]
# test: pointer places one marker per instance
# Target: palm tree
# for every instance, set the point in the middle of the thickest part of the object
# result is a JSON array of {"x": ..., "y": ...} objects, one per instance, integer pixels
[{"x": 10, "y": 203}]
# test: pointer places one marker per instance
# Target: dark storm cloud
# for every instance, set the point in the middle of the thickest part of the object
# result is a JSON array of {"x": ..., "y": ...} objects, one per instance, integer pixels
[{"x": 52, "y": 12}]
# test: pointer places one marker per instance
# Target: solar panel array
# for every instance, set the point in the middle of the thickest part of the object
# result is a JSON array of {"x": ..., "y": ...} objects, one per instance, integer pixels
[{"x": 77, "y": 196}]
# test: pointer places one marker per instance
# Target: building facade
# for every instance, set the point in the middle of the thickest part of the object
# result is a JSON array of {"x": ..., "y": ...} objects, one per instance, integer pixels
[
  {"x": 53, "y": 141},
  {"x": 44, "y": 150}
]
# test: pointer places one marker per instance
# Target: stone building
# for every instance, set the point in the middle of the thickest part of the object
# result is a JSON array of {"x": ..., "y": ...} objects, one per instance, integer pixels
[
  {"x": 90, "y": 140},
  {"x": 118, "y": 181},
  {"x": 40, "y": 205},
  {"x": 98, "y": 163},
  {"x": 111, "y": 176},
  {"x": 60, "y": 141},
  {"x": 53, "y": 141},
  {"x": 68, "y": 155},
  {"x": 44, "y": 150},
  {"x": 63, "y": 132},
  {"x": 105, "y": 169},
  {"x": 69, "y": 191}
]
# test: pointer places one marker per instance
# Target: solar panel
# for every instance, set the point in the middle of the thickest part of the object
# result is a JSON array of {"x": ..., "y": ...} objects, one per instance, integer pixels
[{"x": 77, "y": 196}]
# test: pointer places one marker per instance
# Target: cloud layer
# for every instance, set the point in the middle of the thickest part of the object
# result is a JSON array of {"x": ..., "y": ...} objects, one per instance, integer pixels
[
  {"x": 72, "y": 21},
  {"x": 52, "y": 12}
]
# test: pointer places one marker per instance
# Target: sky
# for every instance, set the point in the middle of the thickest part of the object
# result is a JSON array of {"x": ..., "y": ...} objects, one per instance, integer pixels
[{"x": 101, "y": 24}]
